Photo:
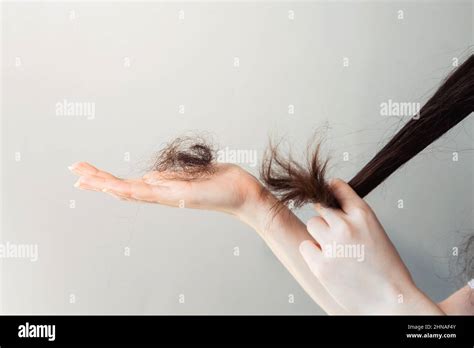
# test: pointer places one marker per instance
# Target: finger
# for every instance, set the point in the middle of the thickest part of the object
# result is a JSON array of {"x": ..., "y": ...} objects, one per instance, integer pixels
[
  {"x": 152, "y": 175},
  {"x": 118, "y": 196},
  {"x": 83, "y": 186},
  {"x": 100, "y": 184},
  {"x": 345, "y": 195},
  {"x": 104, "y": 185},
  {"x": 156, "y": 178},
  {"x": 318, "y": 229},
  {"x": 332, "y": 216},
  {"x": 84, "y": 168},
  {"x": 312, "y": 255},
  {"x": 138, "y": 190}
]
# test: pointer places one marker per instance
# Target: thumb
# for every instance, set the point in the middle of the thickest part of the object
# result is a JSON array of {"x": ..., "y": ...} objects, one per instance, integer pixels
[{"x": 312, "y": 255}]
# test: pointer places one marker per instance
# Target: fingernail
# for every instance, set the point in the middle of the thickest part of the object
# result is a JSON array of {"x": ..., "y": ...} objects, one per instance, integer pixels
[
  {"x": 73, "y": 166},
  {"x": 77, "y": 183},
  {"x": 105, "y": 190},
  {"x": 318, "y": 206}
]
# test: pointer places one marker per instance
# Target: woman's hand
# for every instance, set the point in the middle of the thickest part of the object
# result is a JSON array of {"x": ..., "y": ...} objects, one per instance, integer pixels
[
  {"x": 229, "y": 189},
  {"x": 357, "y": 263}
]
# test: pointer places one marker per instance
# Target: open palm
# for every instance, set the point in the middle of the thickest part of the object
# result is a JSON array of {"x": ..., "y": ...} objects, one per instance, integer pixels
[{"x": 226, "y": 189}]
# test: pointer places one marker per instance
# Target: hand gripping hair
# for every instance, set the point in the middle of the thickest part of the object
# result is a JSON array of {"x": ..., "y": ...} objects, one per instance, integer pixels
[
  {"x": 191, "y": 158},
  {"x": 449, "y": 105}
]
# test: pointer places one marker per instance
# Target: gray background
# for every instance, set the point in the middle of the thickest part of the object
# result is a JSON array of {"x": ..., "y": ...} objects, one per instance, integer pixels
[{"x": 190, "y": 62}]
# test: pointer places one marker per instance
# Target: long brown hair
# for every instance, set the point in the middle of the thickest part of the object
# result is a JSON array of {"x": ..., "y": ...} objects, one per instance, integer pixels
[
  {"x": 293, "y": 182},
  {"x": 192, "y": 158},
  {"x": 298, "y": 184}
]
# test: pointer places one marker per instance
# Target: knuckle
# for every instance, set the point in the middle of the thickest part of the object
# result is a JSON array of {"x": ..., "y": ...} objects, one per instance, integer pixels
[
  {"x": 361, "y": 213},
  {"x": 344, "y": 230},
  {"x": 233, "y": 170},
  {"x": 337, "y": 183},
  {"x": 313, "y": 222}
]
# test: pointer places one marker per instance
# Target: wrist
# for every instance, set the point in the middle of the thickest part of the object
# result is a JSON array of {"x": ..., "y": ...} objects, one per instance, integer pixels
[
  {"x": 422, "y": 304},
  {"x": 412, "y": 301},
  {"x": 258, "y": 209}
]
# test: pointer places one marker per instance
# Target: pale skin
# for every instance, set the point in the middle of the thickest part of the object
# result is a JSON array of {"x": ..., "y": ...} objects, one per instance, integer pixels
[
  {"x": 234, "y": 191},
  {"x": 376, "y": 282}
]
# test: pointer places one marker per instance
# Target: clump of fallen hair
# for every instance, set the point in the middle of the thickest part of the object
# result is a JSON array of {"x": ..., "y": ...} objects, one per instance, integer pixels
[
  {"x": 186, "y": 158},
  {"x": 295, "y": 184}
]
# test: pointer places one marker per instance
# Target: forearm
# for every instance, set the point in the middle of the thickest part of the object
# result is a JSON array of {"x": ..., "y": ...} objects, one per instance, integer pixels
[
  {"x": 283, "y": 232},
  {"x": 459, "y": 303}
]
